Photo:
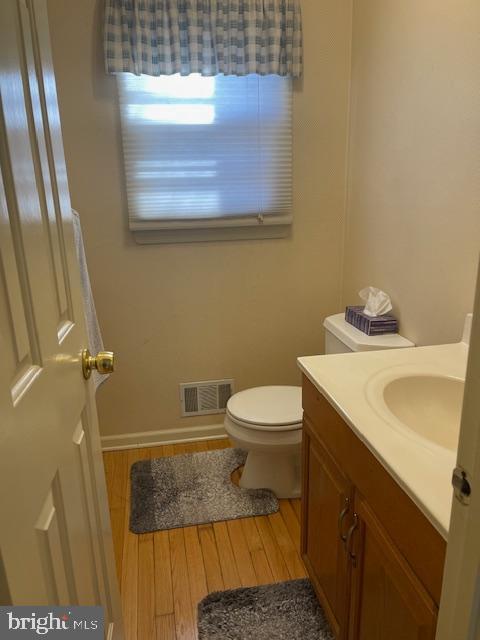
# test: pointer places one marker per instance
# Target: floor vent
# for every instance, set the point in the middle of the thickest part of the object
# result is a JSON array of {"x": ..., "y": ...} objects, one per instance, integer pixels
[{"x": 203, "y": 398}]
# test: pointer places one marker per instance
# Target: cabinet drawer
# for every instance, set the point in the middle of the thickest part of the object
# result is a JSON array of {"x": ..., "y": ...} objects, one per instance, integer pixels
[{"x": 315, "y": 405}]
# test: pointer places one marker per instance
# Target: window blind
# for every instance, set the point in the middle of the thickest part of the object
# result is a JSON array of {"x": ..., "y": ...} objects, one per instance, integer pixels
[{"x": 206, "y": 151}]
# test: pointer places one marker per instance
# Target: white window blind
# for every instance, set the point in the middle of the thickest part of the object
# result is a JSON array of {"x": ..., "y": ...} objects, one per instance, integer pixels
[{"x": 206, "y": 151}]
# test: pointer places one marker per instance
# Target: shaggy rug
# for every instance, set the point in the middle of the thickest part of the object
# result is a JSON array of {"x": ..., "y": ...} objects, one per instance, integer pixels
[
  {"x": 283, "y": 611},
  {"x": 194, "y": 488}
]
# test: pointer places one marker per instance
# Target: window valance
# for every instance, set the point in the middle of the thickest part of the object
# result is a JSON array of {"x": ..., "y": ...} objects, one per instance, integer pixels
[{"x": 210, "y": 37}]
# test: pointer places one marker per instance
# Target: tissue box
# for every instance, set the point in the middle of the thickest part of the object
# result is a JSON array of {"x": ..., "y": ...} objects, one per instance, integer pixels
[{"x": 371, "y": 326}]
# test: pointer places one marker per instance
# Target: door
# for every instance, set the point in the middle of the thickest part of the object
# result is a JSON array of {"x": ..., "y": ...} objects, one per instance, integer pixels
[
  {"x": 459, "y": 615},
  {"x": 327, "y": 496},
  {"x": 388, "y": 602},
  {"x": 55, "y": 540}
]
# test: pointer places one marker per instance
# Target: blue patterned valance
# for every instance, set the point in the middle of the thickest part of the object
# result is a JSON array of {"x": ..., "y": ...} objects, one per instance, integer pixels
[{"x": 210, "y": 37}]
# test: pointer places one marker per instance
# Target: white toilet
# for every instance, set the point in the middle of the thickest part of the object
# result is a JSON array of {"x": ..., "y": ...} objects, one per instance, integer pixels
[{"x": 267, "y": 421}]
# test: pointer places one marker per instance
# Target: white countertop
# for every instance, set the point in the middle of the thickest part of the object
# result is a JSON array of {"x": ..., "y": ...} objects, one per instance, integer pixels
[{"x": 423, "y": 472}]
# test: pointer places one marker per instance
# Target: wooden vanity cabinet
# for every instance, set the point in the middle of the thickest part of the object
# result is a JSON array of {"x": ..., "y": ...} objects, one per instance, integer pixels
[
  {"x": 387, "y": 598},
  {"x": 375, "y": 561},
  {"x": 328, "y": 496}
]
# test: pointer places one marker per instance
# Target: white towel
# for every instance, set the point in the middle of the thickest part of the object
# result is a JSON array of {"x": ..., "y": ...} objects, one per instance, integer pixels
[{"x": 94, "y": 336}]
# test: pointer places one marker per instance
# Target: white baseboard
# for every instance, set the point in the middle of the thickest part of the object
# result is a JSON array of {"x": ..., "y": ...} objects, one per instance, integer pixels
[{"x": 166, "y": 436}]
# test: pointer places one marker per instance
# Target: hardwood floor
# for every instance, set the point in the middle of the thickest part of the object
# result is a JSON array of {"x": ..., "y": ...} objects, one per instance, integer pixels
[{"x": 163, "y": 575}]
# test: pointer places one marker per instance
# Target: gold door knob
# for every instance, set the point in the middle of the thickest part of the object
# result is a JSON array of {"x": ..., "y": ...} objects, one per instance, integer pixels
[{"x": 103, "y": 362}]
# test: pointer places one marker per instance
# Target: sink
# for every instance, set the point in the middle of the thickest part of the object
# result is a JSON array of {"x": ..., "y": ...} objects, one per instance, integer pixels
[
  {"x": 423, "y": 405},
  {"x": 431, "y": 406}
]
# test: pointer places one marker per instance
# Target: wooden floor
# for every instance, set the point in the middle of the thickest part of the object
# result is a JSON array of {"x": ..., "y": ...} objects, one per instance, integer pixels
[{"x": 163, "y": 575}]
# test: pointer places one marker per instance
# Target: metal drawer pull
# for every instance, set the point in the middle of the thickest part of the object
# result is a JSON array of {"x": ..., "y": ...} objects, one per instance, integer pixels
[
  {"x": 341, "y": 518},
  {"x": 350, "y": 533}
]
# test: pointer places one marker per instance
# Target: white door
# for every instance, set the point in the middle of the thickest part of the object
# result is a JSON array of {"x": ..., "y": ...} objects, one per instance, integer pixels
[
  {"x": 55, "y": 539},
  {"x": 459, "y": 615}
]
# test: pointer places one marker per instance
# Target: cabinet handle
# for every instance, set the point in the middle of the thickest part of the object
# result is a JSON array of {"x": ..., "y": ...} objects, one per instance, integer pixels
[
  {"x": 348, "y": 542},
  {"x": 341, "y": 518}
]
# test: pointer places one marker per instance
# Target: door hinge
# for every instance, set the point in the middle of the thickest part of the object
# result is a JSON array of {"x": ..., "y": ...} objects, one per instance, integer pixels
[{"x": 461, "y": 485}]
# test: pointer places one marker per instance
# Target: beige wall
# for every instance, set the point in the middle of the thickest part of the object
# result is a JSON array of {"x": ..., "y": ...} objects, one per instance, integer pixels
[
  {"x": 177, "y": 313},
  {"x": 413, "y": 224}
]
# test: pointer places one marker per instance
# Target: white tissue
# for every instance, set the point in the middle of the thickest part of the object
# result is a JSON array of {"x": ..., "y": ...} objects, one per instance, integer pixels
[{"x": 377, "y": 302}]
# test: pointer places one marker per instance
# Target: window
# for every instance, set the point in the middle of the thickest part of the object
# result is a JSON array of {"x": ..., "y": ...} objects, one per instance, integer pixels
[{"x": 207, "y": 157}]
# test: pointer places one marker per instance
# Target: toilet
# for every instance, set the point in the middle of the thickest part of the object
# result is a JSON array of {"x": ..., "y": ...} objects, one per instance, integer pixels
[{"x": 267, "y": 421}]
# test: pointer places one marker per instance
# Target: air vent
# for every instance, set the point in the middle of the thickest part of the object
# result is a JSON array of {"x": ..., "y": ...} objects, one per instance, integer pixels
[{"x": 203, "y": 398}]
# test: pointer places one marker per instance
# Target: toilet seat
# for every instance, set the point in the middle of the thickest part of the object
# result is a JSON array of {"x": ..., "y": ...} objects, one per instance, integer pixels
[
  {"x": 269, "y": 408},
  {"x": 264, "y": 427},
  {"x": 248, "y": 437}
]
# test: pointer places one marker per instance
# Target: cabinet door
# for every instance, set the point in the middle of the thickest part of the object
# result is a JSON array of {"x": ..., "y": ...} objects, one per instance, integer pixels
[
  {"x": 327, "y": 496},
  {"x": 388, "y": 602}
]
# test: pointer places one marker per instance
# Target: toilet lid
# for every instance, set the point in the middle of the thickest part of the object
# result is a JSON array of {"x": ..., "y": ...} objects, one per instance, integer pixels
[{"x": 266, "y": 407}]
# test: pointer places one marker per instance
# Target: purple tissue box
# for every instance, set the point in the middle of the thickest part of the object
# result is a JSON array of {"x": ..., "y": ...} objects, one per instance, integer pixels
[{"x": 371, "y": 326}]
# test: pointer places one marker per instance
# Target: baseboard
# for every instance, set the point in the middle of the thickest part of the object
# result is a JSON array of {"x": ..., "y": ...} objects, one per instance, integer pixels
[{"x": 166, "y": 436}]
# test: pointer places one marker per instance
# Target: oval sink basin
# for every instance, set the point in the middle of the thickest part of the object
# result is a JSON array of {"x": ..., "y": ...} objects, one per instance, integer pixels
[{"x": 431, "y": 406}]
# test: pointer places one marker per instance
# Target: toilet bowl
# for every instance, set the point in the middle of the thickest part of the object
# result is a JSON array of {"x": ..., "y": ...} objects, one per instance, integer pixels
[{"x": 267, "y": 423}]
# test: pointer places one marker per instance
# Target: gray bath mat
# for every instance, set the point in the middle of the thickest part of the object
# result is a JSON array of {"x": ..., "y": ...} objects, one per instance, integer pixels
[
  {"x": 283, "y": 611},
  {"x": 195, "y": 488}
]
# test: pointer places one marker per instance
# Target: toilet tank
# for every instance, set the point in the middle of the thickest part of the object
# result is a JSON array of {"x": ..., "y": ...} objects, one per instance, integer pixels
[{"x": 342, "y": 337}]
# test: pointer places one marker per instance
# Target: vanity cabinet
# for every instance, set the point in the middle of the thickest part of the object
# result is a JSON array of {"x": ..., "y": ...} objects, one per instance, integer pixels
[
  {"x": 387, "y": 598},
  {"x": 328, "y": 496},
  {"x": 374, "y": 559}
]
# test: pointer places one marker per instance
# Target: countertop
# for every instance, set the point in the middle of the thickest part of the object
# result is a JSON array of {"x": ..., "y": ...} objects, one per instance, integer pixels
[{"x": 423, "y": 472}]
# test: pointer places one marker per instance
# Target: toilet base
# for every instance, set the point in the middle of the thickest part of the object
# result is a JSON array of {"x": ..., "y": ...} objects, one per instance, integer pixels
[{"x": 279, "y": 472}]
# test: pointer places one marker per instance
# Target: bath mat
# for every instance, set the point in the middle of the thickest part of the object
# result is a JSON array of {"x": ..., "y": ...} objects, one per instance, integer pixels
[
  {"x": 194, "y": 488},
  {"x": 284, "y": 611}
]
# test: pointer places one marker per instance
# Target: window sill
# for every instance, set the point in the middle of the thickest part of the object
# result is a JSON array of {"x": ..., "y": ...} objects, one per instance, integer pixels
[{"x": 212, "y": 234}]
